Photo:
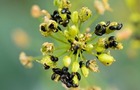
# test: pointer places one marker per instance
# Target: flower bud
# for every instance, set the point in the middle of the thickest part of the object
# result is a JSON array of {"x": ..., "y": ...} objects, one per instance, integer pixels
[
  {"x": 119, "y": 46},
  {"x": 73, "y": 31},
  {"x": 100, "y": 46},
  {"x": 85, "y": 71},
  {"x": 47, "y": 61},
  {"x": 66, "y": 4},
  {"x": 66, "y": 33},
  {"x": 89, "y": 47},
  {"x": 57, "y": 3},
  {"x": 74, "y": 17},
  {"x": 75, "y": 66},
  {"x": 66, "y": 61},
  {"x": 84, "y": 14},
  {"x": 106, "y": 59},
  {"x": 63, "y": 16},
  {"x": 75, "y": 80}
]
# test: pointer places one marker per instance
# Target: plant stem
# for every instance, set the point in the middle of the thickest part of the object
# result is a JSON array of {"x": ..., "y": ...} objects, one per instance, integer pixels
[{"x": 58, "y": 39}]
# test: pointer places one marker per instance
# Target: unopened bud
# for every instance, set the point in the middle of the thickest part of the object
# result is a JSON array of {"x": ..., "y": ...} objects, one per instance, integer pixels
[
  {"x": 75, "y": 66},
  {"x": 84, "y": 14},
  {"x": 106, "y": 59},
  {"x": 85, "y": 71},
  {"x": 89, "y": 47},
  {"x": 74, "y": 17},
  {"x": 66, "y": 61},
  {"x": 73, "y": 31}
]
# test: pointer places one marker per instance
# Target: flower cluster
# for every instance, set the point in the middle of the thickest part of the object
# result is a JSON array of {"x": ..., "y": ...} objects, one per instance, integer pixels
[{"x": 64, "y": 26}]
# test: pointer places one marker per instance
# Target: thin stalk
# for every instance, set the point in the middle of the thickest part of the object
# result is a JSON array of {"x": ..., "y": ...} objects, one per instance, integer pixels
[
  {"x": 81, "y": 56},
  {"x": 93, "y": 38},
  {"x": 91, "y": 22},
  {"x": 36, "y": 58},
  {"x": 76, "y": 58},
  {"x": 58, "y": 39},
  {"x": 62, "y": 53},
  {"x": 59, "y": 48}
]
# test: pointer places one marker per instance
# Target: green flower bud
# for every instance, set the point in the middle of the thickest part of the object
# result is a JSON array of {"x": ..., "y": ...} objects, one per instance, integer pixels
[
  {"x": 99, "y": 49},
  {"x": 100, "y": 46},
  {"x": 84, "y": 14},
  {"x": 75, "y": 80},
  {"x": 66, "y": 33},
  {"x": 119, "y": 46},
  {"x": 63, "y": 16},
  {"x": 103, "y": 23},
  {"x": 57, "y": 3},
  {"x": 75, "y": 66},
  {"x": 74, "y": 17},
  {"x": 85, "y": 71},
  {"x": 66, "y": 4},
  {"x": 89, "y": 47},
  {"x": 66, "y": 61},
  {"x": 47, "y": 61},
  {"x": 73, "y": 31},
  {"x": 106, "y": 59}
]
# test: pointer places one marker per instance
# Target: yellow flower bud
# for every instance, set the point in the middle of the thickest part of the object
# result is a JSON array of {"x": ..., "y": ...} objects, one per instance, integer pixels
[
  {"x": 100, "y": 49},
  {"x": 75, "y": 80},
  {"x": 100, "y": 46},
  {"x": 57, "y": 3},
  {"x": 84, "y": 14},
  {"x": 46, "y": 60},
  {"x": 75, "y": 66},
  {"x": 66, "y": 61},
  {"x": 106, "y": 59},
  {"x": 66, "y": 4},
  {"x": 73, "y": 31},
  {"x": 85, "y": 71},
  {"x": 74, "y": 17},
  {"x": 89, "y": 47},
  {"x": 119, "y": 46}
]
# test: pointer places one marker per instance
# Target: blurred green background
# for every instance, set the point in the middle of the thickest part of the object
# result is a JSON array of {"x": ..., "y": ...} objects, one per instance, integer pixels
[{"x": 124, "y": 74}]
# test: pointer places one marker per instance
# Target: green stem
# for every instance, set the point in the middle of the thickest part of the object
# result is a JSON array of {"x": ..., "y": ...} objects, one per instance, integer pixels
[
  {"x": 94, "y": 54},
  {"x": 76, "y": 59},
  {"x": 93, "y": 38},
  {"x": 91, "y": 22},
  {"x": 81, "y": 56},
  {"x": 61, "y": 33},
  {"x": 58, "y": 39},
  {"x": 37, "y": 58},
  {"x": 61, "y": 53},
  {"x": 59, "y": 48}
]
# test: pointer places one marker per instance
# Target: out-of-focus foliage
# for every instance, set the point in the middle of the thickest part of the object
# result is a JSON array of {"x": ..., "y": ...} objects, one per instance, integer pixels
[{"x": 122, "y": 75}]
